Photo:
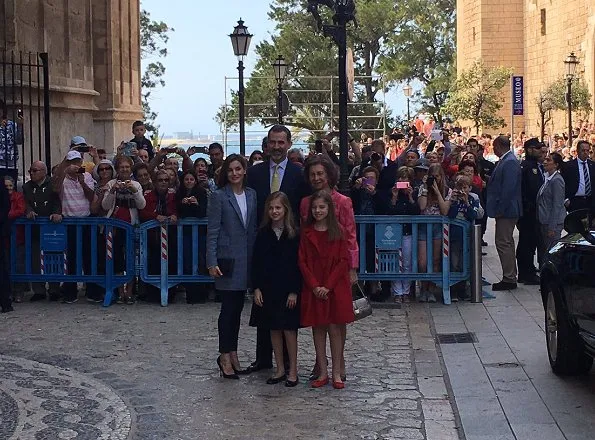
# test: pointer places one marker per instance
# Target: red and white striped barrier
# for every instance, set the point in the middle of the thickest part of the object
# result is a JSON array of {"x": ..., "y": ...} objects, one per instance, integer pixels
[
  {"x": 446, "y": 239},
  {"x": 163, "y": 242}
]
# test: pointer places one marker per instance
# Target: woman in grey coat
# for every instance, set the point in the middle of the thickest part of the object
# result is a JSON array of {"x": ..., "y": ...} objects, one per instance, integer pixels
[
  {"x": 230, "y": 237},
  {"x": 550, "y": 204}
]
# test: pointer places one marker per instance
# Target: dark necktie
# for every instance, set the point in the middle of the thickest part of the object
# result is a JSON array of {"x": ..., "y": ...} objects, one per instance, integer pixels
[{"x": 587, "y": 179}]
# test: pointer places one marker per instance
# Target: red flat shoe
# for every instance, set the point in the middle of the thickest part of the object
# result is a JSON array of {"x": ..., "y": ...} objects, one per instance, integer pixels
[
  {"x": 319, "y": 382},
  {"x": 338, "y": 385}
]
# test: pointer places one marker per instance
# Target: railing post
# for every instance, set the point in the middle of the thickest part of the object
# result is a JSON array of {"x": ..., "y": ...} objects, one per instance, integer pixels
[
  {"x": 445, "y": 261},
  {"x": 109, "y": 265},
  {"x": 476, "y": 281},
  {"x": 164, "y": 264}
]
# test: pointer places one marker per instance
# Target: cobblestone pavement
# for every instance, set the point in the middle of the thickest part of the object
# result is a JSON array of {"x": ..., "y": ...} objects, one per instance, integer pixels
[{"x": 144, "y": 372}]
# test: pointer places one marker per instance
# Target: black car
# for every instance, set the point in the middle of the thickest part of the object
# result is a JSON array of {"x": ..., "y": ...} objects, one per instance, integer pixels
[{"x": 568, "y": 293}]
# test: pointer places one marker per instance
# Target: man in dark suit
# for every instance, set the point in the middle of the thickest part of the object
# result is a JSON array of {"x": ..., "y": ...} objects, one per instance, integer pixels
[
  {"x": 5, "y": 302},
  {"x": 532, "y": 178},
  {"x": 505, "y": 205},
  {"x": 486, "y": 168},
  {"x": 275, "y": 174},
  {"x": 578, "y": 176}
]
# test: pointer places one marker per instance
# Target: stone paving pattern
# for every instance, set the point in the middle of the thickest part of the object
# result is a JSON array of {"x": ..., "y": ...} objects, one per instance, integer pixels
[{"x": 161, "y": 364}]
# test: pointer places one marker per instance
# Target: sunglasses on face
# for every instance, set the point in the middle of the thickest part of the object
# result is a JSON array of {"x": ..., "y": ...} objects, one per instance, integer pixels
[
  {"x": 103, "y": 169},
  {"x": 162, "y": 180}
]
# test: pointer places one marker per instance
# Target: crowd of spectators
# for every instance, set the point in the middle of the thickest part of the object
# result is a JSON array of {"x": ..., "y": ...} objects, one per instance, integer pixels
[{"x": 444, "y": 172}]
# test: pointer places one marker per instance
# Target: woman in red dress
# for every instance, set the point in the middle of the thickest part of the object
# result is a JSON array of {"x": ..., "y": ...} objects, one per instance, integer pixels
[{"x": 326, "y": 293}]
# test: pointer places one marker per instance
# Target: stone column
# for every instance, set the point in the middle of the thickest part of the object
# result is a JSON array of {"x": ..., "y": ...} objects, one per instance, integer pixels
[
  {"x": 94, "y": 58},
  {"x": 116, "y": 61}
]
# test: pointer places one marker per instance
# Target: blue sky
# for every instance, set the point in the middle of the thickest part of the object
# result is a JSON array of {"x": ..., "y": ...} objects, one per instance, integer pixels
[{"x": 201, "y": 56}]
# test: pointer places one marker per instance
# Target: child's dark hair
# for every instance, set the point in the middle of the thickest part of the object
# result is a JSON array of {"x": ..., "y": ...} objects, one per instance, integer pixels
[
  {"x": 137, "y": 124},
  {"x": 334, "y": 229}
]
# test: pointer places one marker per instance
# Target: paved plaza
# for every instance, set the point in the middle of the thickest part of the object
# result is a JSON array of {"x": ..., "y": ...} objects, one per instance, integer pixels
[{"x": 145, "y": 372}]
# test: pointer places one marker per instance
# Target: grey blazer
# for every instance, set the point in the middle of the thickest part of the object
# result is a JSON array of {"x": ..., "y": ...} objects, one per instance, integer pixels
[
  {"x": 504, "y": 189},
  {"x": 229, "y": 237},
  {"x": 550, "y": 202}
]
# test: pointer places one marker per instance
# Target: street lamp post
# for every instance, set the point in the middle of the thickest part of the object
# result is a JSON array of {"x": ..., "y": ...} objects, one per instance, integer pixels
[
  {"x": 344, "y": 12},
  {"x": 240, "y": 40},
  {"x": 408, "y": 92},
  {"x": 571, "y": 63},
  {"x": 280, "y": 67}
]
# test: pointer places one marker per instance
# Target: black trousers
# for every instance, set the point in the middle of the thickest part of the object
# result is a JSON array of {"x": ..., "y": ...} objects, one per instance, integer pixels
[
  {"x": 5, "y": 290},
  {"x": 232, "y": 303},
  {"x": 527, "y": 245}
]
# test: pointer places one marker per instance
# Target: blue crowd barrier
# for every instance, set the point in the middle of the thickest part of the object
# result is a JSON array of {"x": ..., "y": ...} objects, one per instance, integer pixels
[
  {"x": 160, "y": 245},
  {"x": 51, "y": 242},
  {"x": 386, "y": 248}
]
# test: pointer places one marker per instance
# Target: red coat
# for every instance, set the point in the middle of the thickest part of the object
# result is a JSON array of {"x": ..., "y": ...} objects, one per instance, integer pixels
[
  {"x": 345, "y": 217},
  {"x": 149, "y": 212},
  {"x": 324, "y": 263}
]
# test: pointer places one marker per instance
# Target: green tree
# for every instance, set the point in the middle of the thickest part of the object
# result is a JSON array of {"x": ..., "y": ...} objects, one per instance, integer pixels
[
  {"x": 553, "y": 98},
  {"x": 422, "y": 47},
  {"x": 476, "y": 95},
  {"x": 310, "y": 56},
  {"x": 154, "y": 36}
]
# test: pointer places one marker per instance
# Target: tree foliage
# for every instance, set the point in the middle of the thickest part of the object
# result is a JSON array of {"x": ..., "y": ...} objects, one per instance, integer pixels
[
  {"x": 154, "y": 36},
  {"x": 422, "y": 47},
  {"x": 476, "y": 95},
  {"x": 374, "y": 42},
  {"x": 553, "y": 98}
]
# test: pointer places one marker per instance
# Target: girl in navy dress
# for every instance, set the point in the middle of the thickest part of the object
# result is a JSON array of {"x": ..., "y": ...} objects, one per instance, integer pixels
[{"x": 276, "y": 280}]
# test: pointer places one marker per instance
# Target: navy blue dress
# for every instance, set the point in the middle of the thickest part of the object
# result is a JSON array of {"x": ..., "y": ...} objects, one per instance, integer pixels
[{"x": 276, "y": 273}]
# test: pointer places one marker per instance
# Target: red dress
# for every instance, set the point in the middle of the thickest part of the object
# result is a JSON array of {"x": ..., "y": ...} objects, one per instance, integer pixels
[{"x": 324, "y": 263}]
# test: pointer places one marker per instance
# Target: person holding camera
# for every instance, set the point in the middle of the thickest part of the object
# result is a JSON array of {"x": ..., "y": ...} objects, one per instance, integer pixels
[
  {"x": 122, "y": 199},
  {"x": 433, "y": 200},
  {"x": 403, "y": 202},
  {"x": 76, "y": 188}
]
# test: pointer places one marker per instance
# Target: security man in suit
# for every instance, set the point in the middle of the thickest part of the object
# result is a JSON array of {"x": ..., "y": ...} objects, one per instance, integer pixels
[
  {"x": 579, "y": 177},
  {"x": 532, "y": 178}
]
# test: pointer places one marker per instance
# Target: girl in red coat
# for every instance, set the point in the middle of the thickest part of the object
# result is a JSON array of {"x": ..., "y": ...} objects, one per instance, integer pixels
[{"x": 326, "y": 293}]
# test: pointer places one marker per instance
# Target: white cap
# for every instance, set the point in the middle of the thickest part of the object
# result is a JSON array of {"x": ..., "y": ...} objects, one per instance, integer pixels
[{"x": 73, "y": 155}]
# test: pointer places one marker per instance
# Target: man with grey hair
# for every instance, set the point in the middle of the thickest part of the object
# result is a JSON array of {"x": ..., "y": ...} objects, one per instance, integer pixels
[
  {"x": 41, "y": 201},
  {"x": 296, "y": 156},
  {"x": 504, "y": 203}
]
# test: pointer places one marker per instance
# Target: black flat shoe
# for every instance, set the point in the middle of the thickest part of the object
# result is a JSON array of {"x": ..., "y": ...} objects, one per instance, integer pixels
[
  {"x": 7, "y": 309},
  {"x": 503, "y": 285},
  {"x": 276, "y": 380},
  {"x": 255, "y": 366},
  {"x": 291, "y": 383},
  {"x": 222, "y": 373},
  {"x": 243, "y": 372}
]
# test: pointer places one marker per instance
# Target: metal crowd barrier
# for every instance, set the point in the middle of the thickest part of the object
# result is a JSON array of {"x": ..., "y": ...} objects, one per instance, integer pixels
[
  {"x": 388, "y": 236},
  {"x": 158, "y": 248},
  {"x": 46, "y": 246}
]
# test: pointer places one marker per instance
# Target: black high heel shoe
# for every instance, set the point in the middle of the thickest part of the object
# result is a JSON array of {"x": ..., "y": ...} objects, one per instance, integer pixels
[{"x": 222, "y": 373}]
